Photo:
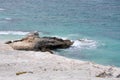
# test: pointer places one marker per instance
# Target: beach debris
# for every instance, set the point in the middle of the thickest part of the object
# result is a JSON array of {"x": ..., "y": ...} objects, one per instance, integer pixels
[
  {"x": 118, "y": 76},
  {"x": 19, "y": 73},
  {"x": 33, "y": 42},
  {"x": 23, "y": 72},
  {"x": 104, "y": 74}
]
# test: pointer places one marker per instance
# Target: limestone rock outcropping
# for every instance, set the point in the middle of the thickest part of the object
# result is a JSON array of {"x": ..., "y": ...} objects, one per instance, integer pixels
[{"x": 35, "y": 43}]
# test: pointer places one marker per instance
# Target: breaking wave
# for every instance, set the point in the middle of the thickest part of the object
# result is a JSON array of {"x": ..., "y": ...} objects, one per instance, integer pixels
[
  {"x": 84, "y": 44},
  {"x": 78, "y": 44}
]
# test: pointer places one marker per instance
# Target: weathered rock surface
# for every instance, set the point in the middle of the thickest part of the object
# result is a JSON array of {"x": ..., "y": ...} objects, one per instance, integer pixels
[
  {"x": 33, "y": 42},
  {"x": 104, "y": 74}
]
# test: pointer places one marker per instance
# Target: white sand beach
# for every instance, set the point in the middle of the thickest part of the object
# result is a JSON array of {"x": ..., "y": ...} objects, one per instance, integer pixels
[{"x": 30, "y": 65}]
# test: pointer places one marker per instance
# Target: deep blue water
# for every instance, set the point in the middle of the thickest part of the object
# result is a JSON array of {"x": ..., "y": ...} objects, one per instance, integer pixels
[{"x": 95, "y": 21}]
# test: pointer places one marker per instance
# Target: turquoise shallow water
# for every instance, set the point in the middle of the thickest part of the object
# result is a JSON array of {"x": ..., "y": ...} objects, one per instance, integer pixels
[{"x": 95, "y": 21}]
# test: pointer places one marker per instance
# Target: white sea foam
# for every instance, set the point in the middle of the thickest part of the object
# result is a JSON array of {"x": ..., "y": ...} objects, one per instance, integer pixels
[
  {"x": 13, "y": 33},
  {"x": 84, "y": 44},
  {"x": 8, "y": 18},
  {"x": 1, "y": 9}
]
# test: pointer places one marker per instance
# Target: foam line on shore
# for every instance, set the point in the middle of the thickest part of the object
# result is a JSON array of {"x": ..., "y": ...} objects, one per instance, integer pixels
[{"x": 13, "y": 33}]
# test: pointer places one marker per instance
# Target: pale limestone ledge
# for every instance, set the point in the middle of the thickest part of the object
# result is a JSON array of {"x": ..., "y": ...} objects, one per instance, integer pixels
[{"x": 45, "y": 66}]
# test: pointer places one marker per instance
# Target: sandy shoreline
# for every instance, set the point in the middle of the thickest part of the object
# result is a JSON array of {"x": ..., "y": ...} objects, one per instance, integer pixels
[{"x": 29, "y": 65}]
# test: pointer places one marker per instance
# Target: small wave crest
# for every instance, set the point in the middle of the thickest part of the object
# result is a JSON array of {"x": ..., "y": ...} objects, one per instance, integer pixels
[
  {"x": 1, "y": 9},
  {"x": 8, "y": 18},
  {"x": 84, "y": 44},
  {"x": 13, "y": 33}
]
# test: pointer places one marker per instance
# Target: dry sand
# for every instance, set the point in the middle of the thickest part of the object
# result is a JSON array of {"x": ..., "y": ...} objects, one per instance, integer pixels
[{"x": 29, "y": 65}]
